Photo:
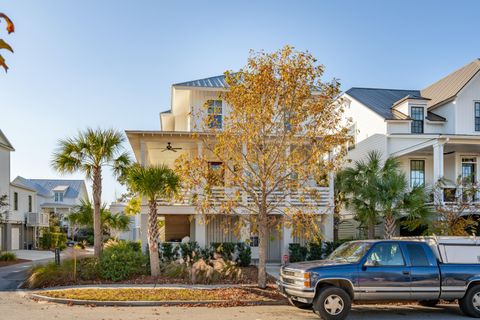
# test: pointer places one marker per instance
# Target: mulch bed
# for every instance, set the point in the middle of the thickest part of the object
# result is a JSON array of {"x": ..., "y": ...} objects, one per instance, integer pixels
[
  {"x": 9, "y": 263},
  {"x": 249, "y": 275}
]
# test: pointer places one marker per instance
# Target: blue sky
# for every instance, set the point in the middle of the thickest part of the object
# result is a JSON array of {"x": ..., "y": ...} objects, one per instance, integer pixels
[{"x": 111, "y": 63}]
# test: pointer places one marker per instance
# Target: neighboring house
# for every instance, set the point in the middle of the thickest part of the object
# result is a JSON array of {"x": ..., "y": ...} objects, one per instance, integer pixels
[
  {"x": 434, "y": 132},
  {"x": 6, "y": 223},
  {"x": 133, "y": 232},
  {"x": 176, "y": 137},
  {"x": 54, "y": 198}
]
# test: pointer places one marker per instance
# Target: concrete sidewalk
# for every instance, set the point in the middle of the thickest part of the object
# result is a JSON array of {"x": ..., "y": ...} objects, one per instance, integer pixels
[
  {"x": 34, "y": 255},
  {"x": 273, "y": 269}
]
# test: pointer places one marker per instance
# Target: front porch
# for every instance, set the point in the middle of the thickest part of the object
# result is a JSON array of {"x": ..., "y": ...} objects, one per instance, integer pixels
[{"x": 449, "y": 158}]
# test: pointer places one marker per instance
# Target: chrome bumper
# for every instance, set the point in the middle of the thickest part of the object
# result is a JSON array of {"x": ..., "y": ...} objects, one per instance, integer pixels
[{"x": 301, "y": 294}]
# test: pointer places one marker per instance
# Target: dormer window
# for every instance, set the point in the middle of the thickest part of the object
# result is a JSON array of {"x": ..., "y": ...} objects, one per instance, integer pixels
[
  {"x": 214, "y": 114},
  {"x": 417, "y": 115},
  {"x": 58, "y": 196}
]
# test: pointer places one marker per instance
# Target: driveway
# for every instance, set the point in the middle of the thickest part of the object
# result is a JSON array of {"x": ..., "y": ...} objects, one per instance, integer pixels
[{"x": 15, "y": 306}]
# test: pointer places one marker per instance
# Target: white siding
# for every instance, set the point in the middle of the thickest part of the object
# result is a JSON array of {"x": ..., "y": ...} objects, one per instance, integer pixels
[
  {"x": 23, "y": 194},
  {"x": 371, "y": 130},
  {"x": 4, "y": 171},
  {"x": 464, "y": 107}
]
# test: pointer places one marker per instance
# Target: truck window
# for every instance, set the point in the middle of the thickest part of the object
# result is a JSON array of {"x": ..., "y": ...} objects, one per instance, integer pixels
[
  {"x": 417, "y": 255},
  {"x": 385, "y": 254}
]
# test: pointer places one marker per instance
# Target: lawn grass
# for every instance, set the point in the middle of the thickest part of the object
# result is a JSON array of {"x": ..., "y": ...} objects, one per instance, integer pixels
[{"x": 164, "y": 294}]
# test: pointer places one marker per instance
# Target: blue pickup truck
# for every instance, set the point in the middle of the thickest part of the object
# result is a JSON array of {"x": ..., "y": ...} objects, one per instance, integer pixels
[{"x": 381, "y": 270}]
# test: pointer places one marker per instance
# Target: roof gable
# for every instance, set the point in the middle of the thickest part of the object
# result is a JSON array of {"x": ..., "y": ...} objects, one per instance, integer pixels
[
  {"x": 448, "y": 87},
  {"x": 4, "y": 142}
]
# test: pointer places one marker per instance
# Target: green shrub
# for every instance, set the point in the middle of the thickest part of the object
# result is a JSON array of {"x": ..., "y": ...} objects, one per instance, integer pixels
[
  {"x": 297, "y": 252},
  {"x": 190, "y": 251},
  {"x": 135, "y": 245},
  {"x": 226, "y": 249},
  {"x": 88, "y": 268},
  {"x": 168, "y": 252},
  {"x": 50, "y": 274},
  {"x": 8, "y": 256},
  {"x": 120, "y": 262},
  {"x": 315, "y": 251},
  {"x": 52, "y": 240},
  {"x": 244, "y": 254}
]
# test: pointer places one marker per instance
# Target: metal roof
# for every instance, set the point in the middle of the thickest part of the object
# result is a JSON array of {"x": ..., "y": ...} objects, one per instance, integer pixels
[
  {"x": 382, "y": 100},
  {"x": 447, "y": 88},
  {"x": 212, "y": 82}
]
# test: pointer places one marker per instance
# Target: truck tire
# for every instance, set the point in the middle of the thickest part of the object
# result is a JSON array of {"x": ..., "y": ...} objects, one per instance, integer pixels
[
  {"x": 428, "y": 303},
  {"x": 332, "y": 303},
  {"x": 300, "y": 305},
  {"x": 470, "y": 303}
]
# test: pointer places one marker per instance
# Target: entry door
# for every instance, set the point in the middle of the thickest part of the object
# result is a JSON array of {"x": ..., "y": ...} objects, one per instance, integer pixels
[
  {"x": 274, "y": 248},
  {"x": 384, "y": 275},
  {"x": 15, "y": 238}
]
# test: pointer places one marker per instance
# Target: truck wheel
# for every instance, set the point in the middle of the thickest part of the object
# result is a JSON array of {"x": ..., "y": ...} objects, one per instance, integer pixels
[
  {"x": 332, "y": 303},
  {"x": 300, "y": 305},
  {"x": 428, "y": 303},
  {"x": 470, "y": 303}
]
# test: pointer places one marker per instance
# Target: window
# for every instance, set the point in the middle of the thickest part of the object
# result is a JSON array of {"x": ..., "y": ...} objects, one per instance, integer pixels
[
  {"x": 214, "y": 114},
  {"x": 216, "y": 173},
  {"x": 58, "y": 196},
  {"x": 352, "y": 133},
  {"x": 417, "y": 255},
  {"x": 477, "y": 116},
  {"x": 385, "y": 254},
  {"x": 417, "y": 122},
  {"x": 417, "y": 173},
  {"x": 468, "y": 170},
  {"x": 29, "y": 203},
  {"x": 15, "y": 201}
]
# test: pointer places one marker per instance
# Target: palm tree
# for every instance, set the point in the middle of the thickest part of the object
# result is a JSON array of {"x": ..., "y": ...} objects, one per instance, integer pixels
[
  {"x": 89, "y": 152},
  {"x": 82, "y": 215},
  {"x": 152, "y": 183},
  {"x": 376, "y": 189}
]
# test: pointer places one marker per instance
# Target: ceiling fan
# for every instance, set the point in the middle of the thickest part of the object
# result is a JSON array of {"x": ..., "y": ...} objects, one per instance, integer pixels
[{"x": 170, "y": 148}]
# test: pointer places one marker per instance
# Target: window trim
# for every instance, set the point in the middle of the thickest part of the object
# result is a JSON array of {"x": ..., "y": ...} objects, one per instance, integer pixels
[
  {"x": 476, "y": 126},
  {"x": 215, "y": 124},
  {"x": 414, "y": 121},
  {"x": 410, "y": 175},
  {"x": 30, "y": 203}
]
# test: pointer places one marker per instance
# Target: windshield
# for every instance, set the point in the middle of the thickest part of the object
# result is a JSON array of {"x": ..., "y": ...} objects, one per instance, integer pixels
[{"x": 350, "y": 251}]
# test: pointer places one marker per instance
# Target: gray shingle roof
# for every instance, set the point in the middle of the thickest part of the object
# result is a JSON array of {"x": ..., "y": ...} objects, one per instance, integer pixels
[
  {"x": 212, "y": 82},
  {"x": 44, "y": 187},
  {"x": 382, "y": 100}
]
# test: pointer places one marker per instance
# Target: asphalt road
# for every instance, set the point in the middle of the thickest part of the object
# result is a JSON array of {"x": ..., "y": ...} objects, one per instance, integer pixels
[
  {"x": 12, "y": 276},
  {"x": 17, "y": 306}
]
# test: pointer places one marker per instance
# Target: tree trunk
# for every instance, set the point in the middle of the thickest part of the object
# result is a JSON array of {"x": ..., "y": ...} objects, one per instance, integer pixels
[
  {"x": 390, "y": 226},
  {"x": 262, "y": 247},
  {"x": 153, "y": 238},
  {"x": 97, "y": 203},
  {"x": 371, "y": 230}
]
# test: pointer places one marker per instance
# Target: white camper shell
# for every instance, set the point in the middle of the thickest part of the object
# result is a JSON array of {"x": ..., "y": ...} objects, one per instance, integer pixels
[{"x": 452, "y": 249}]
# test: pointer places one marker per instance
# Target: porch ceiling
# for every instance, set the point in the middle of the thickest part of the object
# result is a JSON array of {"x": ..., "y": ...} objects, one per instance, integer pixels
[{"x": 450, "y": 148}]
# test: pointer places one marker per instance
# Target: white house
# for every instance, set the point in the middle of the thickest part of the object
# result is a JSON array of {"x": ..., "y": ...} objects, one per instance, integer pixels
[
  {"x": 50, "y": 198},
  {"x": 133, "y": 232},
  {"x": 434, "y": 132},
  {"x": 176, "y": 137},
  {"x": 9, "y": 227}
]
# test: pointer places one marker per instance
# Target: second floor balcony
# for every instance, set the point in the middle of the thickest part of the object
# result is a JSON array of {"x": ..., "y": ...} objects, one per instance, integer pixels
[{"x": 37, "y": 219}]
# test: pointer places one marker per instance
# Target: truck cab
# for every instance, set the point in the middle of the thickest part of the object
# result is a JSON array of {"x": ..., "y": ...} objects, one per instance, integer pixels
[{"x": 380, "y": 270}]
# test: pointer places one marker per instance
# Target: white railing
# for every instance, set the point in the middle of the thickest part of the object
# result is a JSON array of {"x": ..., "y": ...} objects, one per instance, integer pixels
[
  {"x": 314, "y": 196},
  {"x": 37, "y": 219}
]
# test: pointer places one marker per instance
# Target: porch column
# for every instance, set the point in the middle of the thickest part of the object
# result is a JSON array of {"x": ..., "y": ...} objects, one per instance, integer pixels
[
  {"x": 437, "y": 162},
  {"x": 200, "y": 231},
  {"x": 328, "y": 222},
  {"x": 287, "y": 239},
  {"x": 142, "y": 153}
]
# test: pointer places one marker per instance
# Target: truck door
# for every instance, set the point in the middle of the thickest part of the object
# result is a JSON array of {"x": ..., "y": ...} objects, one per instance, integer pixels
[
  {"x": 424, "y": 273},
  {"x": 384, "y": 274}
]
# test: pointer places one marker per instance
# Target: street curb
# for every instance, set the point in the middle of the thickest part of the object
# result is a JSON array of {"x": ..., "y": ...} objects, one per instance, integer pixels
[{"x": 149, "y": 303}]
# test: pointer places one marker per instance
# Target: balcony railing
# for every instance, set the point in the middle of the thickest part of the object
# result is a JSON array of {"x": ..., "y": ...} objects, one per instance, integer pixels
[
  {"x": 314, "y": 197},
  {"x": 37, "y": 219}
]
